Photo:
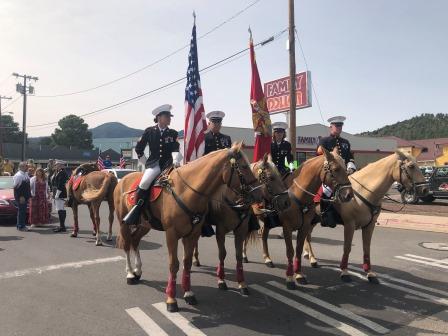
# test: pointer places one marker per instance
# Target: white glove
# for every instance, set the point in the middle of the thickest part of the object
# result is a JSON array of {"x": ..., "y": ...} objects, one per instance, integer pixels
[
  {"x": 177, "y": 158},
  {"x": 58, "y": 192},
  {"x": 351, "y": 168},
  {"x": 142, "y": 159}
]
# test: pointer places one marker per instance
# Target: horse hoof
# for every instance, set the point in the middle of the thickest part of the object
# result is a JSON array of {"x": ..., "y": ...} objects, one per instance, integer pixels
[
  {"x": 306, "y": 256},
  {"x": 172, "y": 307},
  {"x": 196, "y": 263},
  {"x": 137, "y": 277},
  {"x": 99, "y": 244},
  {"x": 244, "y": 291},
  {"x": 314, "y": 264},
  {"x": 291, "y": 285},
  {"x": 132, "y": 281},
  {"x": 222, "y": 286},
  {"x": 109, "y": 239},
  {"x": 346, "y": 278},
  {"x": 245, "y": 260},
  {"x": 93, "y": 233},
  {"x": 191, "y": 300},
  {"x": 373, "y": 280},
  {"x": 74, "y": 235},
  {"x": 270, "y": 264},
  {"x": 302, "y": 281}
]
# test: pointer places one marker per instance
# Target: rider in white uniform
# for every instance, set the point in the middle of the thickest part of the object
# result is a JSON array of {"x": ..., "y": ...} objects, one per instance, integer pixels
[{"x": 164, "y": 151}]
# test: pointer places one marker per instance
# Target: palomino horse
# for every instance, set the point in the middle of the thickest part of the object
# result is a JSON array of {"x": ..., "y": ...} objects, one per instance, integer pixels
[
  {"x": 227, "y": 216},
  {"x": 303, "y": 184},
  {"x": 181, "y": 209},
  {"x": 94, "y": 187},
  {"x": 370, "y": 184}
]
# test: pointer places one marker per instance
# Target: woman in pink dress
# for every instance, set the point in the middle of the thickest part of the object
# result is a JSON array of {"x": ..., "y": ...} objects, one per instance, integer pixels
[{"x": 39, "y": 194}]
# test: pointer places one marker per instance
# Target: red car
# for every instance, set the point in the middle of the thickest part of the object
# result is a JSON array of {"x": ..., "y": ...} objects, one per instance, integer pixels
[{"x": 8, "y": 207}]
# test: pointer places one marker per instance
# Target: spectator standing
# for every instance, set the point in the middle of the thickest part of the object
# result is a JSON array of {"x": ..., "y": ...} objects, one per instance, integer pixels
[
  {"x": 22, "y": 193},
  {"x": 8, "y": 167},
  {"x": 39, "y": 199}
]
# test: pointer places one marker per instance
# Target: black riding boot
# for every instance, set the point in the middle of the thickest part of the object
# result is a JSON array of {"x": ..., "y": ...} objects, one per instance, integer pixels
[
  {"x": 328, "y": 214},
  {"x": 133, "y": 216},
  {"x": 207, "y": 230},
  {"x": 61, "y": 214},
  {"x": 253, "y": 224}
]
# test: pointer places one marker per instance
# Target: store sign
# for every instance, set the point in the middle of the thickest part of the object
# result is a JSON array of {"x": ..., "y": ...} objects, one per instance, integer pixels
[
  {"x": 312, "y": 141},
  {"x": 277, "y": 93},
  {"x": 127, "y": 153}
]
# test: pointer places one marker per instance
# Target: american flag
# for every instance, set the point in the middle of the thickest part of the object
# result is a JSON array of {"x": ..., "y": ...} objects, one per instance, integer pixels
[
  {"x": 195, "y": 124},
  {"x": 100, "y": 162},
  {"x": 122, "y": 162}
]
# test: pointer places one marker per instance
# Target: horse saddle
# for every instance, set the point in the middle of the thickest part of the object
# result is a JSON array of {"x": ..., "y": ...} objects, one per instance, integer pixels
[
  {"x": 75, "y": 181},
  {"x": 154, "y": 190}
]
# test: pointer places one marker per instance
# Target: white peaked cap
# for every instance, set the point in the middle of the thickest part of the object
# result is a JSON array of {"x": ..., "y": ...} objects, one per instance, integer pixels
[
  {"x": 162, "y": 108},
  {"x": 279, "y": 125},
  {"x": 336, "y": 120},
  {"x": 215, "y": 115}
]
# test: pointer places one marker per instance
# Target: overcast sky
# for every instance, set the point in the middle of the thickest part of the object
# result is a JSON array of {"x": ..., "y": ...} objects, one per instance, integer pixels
[{"x": 376, "y": 62}]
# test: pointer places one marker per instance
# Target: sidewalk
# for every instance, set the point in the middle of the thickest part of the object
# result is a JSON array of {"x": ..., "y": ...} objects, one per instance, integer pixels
[{"x": 413, "y": 222}]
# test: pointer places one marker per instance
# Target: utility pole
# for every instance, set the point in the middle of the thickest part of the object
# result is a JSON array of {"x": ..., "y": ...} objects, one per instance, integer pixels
[
  {"x": 23, "y": 90},
  {"x": 1, "y": 124},
  {"x": 292, "y": 81}
]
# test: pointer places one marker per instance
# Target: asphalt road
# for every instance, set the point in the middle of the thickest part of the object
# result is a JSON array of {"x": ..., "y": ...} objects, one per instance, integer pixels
[{"x": 52, "y": 284}]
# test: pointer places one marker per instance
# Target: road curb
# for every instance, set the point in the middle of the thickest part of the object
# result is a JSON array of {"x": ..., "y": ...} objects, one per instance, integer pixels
[{"x": 414, "y": 222}]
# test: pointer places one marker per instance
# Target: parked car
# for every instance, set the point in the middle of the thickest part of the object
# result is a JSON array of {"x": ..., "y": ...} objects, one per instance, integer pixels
[
  {"x": 8, "y": 206},
  {"x": 120, "y": 173},
  {"x": 438, "y": 186}
]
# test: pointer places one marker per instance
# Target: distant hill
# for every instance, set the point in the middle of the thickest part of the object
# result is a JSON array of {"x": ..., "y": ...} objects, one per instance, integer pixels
[
  {"x": 115, "y": 130},
  {"x": 425, "y": 126}
]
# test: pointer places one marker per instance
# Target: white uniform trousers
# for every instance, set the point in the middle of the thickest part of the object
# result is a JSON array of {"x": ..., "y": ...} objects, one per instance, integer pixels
[
  {"x": 59, "y": 204},
  {"x": 148, "y": 176}
]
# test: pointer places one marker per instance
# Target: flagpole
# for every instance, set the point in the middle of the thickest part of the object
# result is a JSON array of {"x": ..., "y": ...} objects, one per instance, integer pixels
[{"x": 292, "y": 81}]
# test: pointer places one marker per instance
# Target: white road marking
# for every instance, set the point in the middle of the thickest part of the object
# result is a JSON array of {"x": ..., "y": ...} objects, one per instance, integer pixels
[
  {"x": 40, "y": 270},
  {"x": 345, "y": 328},
  {"x": 405, "y": 282},
  {"x": 180, "y": 321},
  {"x": 429, "y": 263},
  {"x": 401, "y": 288},
  {"x": 145, "y": 322},
  {"x": 338, "y": 310},
  {"x": 438, "y": 261}
]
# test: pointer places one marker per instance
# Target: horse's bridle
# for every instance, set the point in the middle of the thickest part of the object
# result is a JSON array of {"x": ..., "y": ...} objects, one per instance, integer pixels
[
  {"x": 264, "y": 180},
  {"x": 338, "y": 187},
  {"x": 415, "y": 185}
]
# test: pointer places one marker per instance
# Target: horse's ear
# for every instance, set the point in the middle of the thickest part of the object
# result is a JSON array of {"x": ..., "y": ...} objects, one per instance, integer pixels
[
  {"x": 327, "y": 154},
  {"x": 265, "y": 158},
  {"x": 402, "y": 156},
  {"x": 335, "y": 151},
  {"x": 236, "y": 147}
]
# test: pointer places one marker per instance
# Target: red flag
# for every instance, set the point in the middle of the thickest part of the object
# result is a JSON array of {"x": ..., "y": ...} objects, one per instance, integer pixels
[
  {"x": 195, "y": 124},
  {"x": 260, "y": 115}
]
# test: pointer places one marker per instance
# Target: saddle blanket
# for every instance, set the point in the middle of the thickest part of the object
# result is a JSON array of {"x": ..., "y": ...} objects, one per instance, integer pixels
[
  {"x": 154, "y": 194},
  {"x": 75, "y": 181}
]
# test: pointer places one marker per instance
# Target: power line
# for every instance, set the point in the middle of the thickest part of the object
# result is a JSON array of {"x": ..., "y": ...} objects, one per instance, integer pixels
[
  {"x": 12, "y": 102},
  {"x": 210, "y": 67},
  {"x": 312, "y": 85},
  {"x": 156, "y": 61}
]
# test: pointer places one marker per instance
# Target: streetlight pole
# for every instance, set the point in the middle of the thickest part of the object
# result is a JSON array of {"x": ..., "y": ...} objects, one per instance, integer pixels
[
  {"x": 1, "y": 124},
  {"x": 22, "y": 89},
  {"x": 292, "y": 81}
]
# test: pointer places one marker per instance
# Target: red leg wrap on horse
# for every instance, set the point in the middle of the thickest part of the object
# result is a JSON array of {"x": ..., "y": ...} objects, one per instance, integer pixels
[
  {"x": 186, "y": 282},
  {"x": 366, "y": 266},
  {"x": 297, "y": 265},
  {"x": 289, "y": 269},
  {"x": 344, "y": 262},
  {"x": 239, "y": 272},
  {"x": 171, "y": 287},
  {"x": 220, "y": 271}
]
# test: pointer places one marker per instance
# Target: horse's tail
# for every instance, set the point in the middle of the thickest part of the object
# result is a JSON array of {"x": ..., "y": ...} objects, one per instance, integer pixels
[
  {"x": 92, "y": 194},
  {"x": 253, "y": 236}
]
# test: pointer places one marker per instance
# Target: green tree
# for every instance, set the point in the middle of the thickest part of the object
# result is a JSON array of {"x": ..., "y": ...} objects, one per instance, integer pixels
[
  {"x": 46, "y": 141},
  {"x": 72, "y": 131},
  {"x": 10, "y": 130}
]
